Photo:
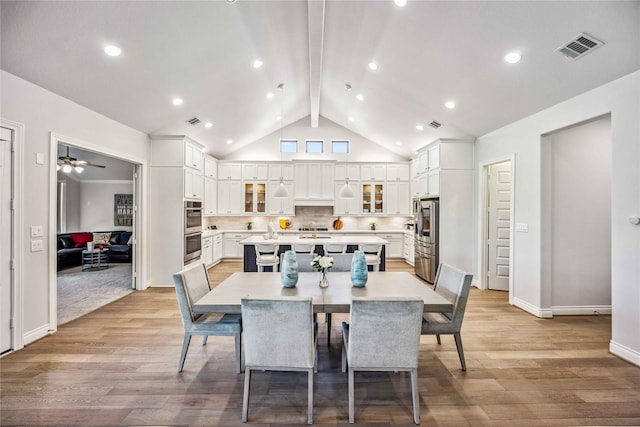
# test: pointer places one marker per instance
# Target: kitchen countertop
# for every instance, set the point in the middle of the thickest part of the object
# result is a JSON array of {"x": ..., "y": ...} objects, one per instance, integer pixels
[
  {"x": 289, "y": 239},
  {"x": 209, "y": 233}
]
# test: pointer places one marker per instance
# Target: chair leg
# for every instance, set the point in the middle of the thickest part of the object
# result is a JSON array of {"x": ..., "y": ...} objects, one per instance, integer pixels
[
  {"x": 351, "y": 397},
  {"x": 458, "y": 339},
  {"x": 438, "y": 339},
  {"x": 344, "y": 358},
  {"x": 245, "y": 396},
  {"x": 328, "y": 315},
  {"x": 238, "y": 342},
  {"x": 415, "y": 396},
  {"x": 185, "y": 347},
  {"x": 204, "y": 339},
  {"x": 310, "y": 397},
  {"x": 260, "y": 269},
  {"x": 376, "y": 267}
]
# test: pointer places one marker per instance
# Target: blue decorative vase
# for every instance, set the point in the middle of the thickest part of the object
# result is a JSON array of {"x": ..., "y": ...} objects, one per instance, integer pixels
[
  {"x": 359, "y": 273},
  {"x": 289, "y": 270}
]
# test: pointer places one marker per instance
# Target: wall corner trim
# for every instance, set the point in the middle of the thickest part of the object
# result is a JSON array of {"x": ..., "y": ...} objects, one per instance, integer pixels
[
  {"x": 624, "y": 352},
  {"x": 530, "y": 308}
]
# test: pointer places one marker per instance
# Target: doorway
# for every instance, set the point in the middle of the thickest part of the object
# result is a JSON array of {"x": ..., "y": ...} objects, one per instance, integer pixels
[
  {"x": 6, "y": 239},
  {"x": 497, "y": 224},
  {"x": 94, "y": 216}
]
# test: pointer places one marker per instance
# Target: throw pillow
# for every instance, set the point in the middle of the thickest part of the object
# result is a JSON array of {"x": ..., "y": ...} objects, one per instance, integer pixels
[
  {"x": 130, "y": 241},
  {"x": 65, "y": 242},
  {"x": 80, "y": 239},
  {"x": 101, "y": 238}
]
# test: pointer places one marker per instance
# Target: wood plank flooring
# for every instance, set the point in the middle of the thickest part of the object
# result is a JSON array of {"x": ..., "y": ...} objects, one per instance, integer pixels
[{"x": 117, "y": 366}]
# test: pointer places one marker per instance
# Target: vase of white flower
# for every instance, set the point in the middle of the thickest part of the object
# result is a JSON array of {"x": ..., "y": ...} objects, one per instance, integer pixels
[{"x": 322, "y": 264}]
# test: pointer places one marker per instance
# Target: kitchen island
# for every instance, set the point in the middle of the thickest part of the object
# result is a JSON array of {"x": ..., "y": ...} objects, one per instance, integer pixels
[{"x": 285, "y": 242}]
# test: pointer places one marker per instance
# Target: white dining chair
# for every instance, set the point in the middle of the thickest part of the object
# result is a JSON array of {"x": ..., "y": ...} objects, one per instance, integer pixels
[
  {"x": 383, "y": 335},
  {"x": 372, "y": 253},
  {"x": 334, "y": 248},
  {"x": 191, "y": 284},
  {"x": 279, "y": 335},
  {"x": 267, "y": 256}
]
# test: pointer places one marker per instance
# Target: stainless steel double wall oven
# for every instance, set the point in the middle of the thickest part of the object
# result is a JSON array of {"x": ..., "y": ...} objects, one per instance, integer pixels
[
  {"x": 192, "y": 231},
  {"x": 426, "y": 238}
]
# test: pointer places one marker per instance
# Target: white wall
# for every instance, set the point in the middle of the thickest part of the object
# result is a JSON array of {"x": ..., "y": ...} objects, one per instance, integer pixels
[
  {"x": 43, "y": 112},
  {"x": 523, "y": 138},
  {"x": 362, "y": 149},
  {"x": 578, "y": 227},
  {"x": 97, "y": 204},
  {"x": 71, "y": 199}
]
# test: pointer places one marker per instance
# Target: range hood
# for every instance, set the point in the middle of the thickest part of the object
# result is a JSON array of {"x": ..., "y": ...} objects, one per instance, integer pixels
[{"x": 313, "y": 202}]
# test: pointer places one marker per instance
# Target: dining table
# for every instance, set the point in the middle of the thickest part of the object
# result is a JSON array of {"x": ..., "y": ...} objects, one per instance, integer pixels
[{"x": 336, "y": 298}]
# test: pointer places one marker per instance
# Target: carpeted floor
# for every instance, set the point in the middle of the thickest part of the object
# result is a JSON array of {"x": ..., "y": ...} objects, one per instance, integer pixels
[{"x": 82, "y": 292}]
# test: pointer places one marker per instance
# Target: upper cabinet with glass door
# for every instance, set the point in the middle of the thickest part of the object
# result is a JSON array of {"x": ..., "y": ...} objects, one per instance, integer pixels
[
  {"x": 255, "y": 197},
  {"x": 373, "y": 198}
]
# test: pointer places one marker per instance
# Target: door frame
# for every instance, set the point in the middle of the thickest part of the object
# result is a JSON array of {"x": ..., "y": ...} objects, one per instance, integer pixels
[
  {"x": 17, "y": 288},
  {"x": 139, "y": 246},
  {"x": 483, "y": 218}
]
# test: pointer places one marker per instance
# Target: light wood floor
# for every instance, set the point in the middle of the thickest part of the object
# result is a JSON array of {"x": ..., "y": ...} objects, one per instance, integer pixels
[{"x": 117, "y": 366}]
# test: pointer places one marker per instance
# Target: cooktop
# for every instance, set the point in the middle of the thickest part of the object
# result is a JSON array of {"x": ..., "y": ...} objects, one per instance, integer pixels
[{"x": 312, "y": 229}]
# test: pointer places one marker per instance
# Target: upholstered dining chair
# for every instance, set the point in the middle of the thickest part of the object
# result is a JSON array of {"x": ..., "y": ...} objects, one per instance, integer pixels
[
  {"x": 191, "y": 284},
  {"x": 454, "y": 285},
  {"x": 267, "y": 255},
  {"x": 279, "y": 335},
  {"x": 341, "y": 263},
  {"x": 303, "y": 248},
  {"x": 334, "y": 248},
  {"x": 372, "y": 254},
  {"x": 383, "y": 335},
  {"x": 304, "y": 262}
]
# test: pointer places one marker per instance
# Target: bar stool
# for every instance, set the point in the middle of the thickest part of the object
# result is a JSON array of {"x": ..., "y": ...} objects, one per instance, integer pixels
[
  {"x": 372, "y": 254},
  {"x": 267, "y": 255},
  {"x": 303, "y": 248},
  {"x": 335, "y": 248}
]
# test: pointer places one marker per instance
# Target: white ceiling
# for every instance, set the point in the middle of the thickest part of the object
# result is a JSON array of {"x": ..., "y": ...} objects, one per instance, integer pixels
[{"x": 429, "y": 52}]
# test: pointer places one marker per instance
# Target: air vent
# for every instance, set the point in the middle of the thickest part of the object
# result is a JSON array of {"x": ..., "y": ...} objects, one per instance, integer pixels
[
  {"x": 435, "y": 124},
  {"x": 193, "y": 121},
  {"x": 579, "y": 46}
]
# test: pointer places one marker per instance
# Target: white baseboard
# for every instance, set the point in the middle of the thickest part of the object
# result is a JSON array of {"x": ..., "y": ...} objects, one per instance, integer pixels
[
  {"x": 590, "y": 310},
  {"x": 36, "y": 334},
  {"x": 624, "y": 352},
  {"x": 529, "y": 308}
]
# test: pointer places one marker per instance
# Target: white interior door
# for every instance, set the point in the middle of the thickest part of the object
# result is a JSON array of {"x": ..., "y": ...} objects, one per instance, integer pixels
[
  {"x": 498, "y": 225},
  {"x": 6, "y": 137}
]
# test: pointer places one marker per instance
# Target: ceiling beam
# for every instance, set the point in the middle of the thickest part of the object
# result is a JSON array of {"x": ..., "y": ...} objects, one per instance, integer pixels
[{"x": 316, "y": 41}]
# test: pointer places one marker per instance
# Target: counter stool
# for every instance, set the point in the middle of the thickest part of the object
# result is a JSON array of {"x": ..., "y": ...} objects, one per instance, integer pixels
[
  {"x": 267, "y": 255},
  {"x": 303, "y": 248},
  {"x": 372, "y": 254}
]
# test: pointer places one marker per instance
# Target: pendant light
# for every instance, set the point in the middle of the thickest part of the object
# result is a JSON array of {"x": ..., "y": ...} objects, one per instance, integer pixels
[
  {"x": 281, "y": 192},
  {"x": 346, "y": 192}
]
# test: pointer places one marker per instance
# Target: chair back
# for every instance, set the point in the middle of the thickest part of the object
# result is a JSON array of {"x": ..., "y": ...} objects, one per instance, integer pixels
[
  {"x": 372, "y": 248},
  {"x": 278, "y": 332},
  {"x": 304, "y": 262},
  {"x": 454, "y": 285},
  {"x": 303, "y": 248},
  {"x": 335, "y": 248},
  {"x": 268, "y": 249},
  {"x": 384, "y": 332},
  {"x": 341, "y": 262},
  {"x": 191, "y": 284}
]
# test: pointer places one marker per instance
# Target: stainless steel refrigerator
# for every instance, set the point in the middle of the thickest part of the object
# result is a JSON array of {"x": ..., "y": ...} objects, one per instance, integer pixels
[{"x": 426, "y": 239}]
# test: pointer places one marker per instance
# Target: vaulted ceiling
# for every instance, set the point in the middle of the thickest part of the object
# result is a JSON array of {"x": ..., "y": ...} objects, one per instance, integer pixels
[{"x": 428, "y": 52}]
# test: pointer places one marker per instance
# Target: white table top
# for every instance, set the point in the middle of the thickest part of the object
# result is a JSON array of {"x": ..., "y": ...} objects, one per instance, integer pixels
[
  {"x": 320, "y": 240},
  {"x": 225, "y": 297}
]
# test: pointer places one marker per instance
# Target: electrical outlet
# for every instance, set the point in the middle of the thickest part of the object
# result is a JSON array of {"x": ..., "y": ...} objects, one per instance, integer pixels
[
  {"x": 37, "y": 245},
  {"x": 36, "y": 231}
]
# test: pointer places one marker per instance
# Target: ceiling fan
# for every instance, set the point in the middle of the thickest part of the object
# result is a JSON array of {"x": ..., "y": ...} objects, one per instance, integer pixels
[{"x": 68, "y": 163}]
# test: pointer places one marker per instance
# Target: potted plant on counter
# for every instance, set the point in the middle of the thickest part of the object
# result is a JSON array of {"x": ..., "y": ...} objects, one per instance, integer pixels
[
  {"x": 372, "y": 224},
  {"x": 249, "y": 225}
]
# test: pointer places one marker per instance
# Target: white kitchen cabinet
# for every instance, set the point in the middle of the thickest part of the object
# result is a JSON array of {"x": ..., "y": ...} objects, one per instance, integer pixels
[
  {"x": 229, "y": 197},
  {"x": 255, "y": 197},
  {"x": 433, "y": 156},
  {"x": 314, "y": 181},
  {"x": 277, "y": 205},
  {"x": 229, "y": 170},
  {"x": 372, "y": 197},
  {"x": 210, "y": 167},
  {"x": 421, "y": 185},
  {"x": 232, "y": 246},
  {"x": 255, "y": 171},
  {"x": 422, "y": 162},
  {"x": 210, "y": 196},
  {"x": 373, "y": 172},
  {"x": 207, "y": 251},
  {"x": 350, "y": 206},
  {"x": 433, "y": 182},
  {"x": 409, "y": 248},
  {"x": 192, "y": 184},
  {"x": 347, "y": 170},
  {"x": 192, "y": 155},
  {"x": 395, "y": 247},
  {"x": 398, "y": 198},
  {"x": 217, "y": 248},
  {"x": 398, "y": 172},
  {"x": 414, "y": 168},
  {"x": 284, "y": 170}
]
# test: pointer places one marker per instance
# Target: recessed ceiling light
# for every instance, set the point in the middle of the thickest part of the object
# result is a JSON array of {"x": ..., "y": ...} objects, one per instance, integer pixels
[
  {"x": 513, "y": 57},
  {"x": 398, "y": 142},
  {"x": 112, "y": 50},
  {"x": 450, "y": 105},
  {"x": 419, "y": 127},
  {"x": 229, "y": 141},
  {"x": 373, "y": 66},
  {"x": 257, "y": 63},
  {"x": 177, "y": 101},
  {"x": 360, "y": 97},
  {"x": 230, "y": 1},
  {"x": 400, "y": 3},
  {"x": 269, "y": 95},
  {"x": 279, "y": 118},
  {"x": 350, "y": 118},
  {"x": 208, "y": 125}
]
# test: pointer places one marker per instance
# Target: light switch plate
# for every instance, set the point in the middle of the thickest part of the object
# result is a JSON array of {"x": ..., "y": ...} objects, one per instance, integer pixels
[
  {"x": 37, "y": 245},
  {"x": 522, "y": 228},
  {"x": 36, "y": 231},
  {"x": 39, "y": 158}
]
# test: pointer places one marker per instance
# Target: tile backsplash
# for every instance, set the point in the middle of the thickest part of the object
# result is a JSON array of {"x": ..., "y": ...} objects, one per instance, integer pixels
[{"x": 322, "y": 215}]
